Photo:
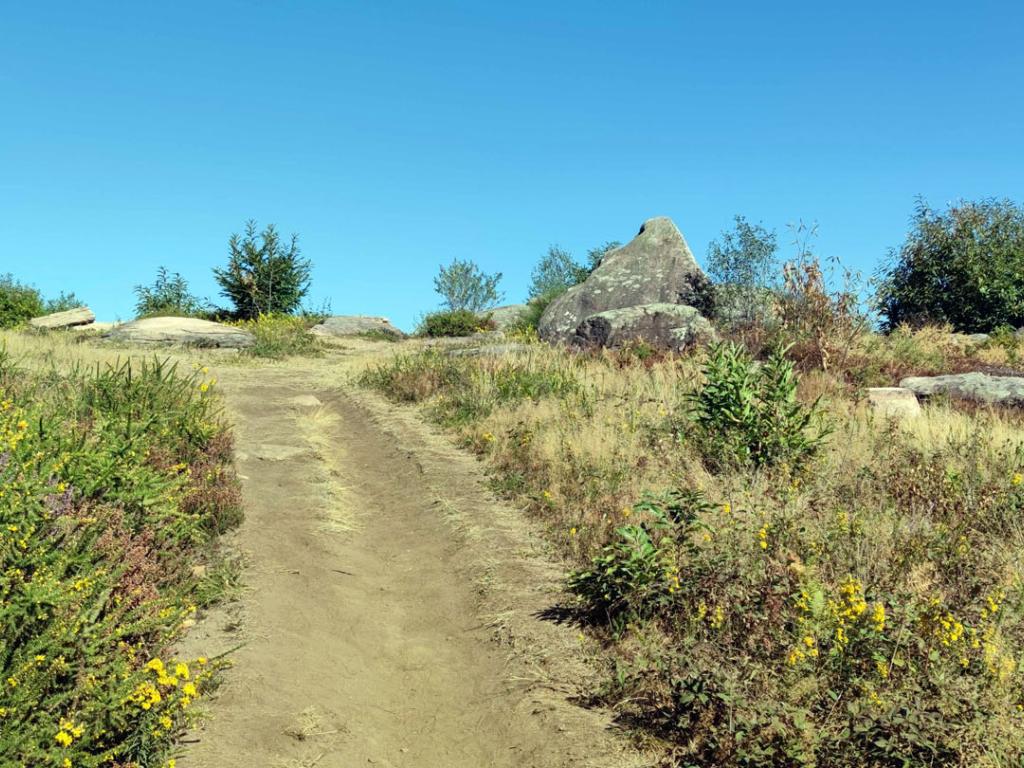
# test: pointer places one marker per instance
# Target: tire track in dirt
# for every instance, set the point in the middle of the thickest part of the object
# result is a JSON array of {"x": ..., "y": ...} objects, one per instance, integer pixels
[{"x": 366, "y": 646}]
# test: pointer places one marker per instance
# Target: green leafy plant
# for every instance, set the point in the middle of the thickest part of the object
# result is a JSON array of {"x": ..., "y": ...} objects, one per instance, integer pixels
[
  {"x": 744, "y": 267},
  {"x": 554, "y": 274},
  {"x": 63, "y": 303},
  {"x": 961, "y": 266},
  {"x": 168, "y": 295},
  {"x": 19, "y": 303},
  {"x": 116, "y": 482},
  {"x": 264, "y": 276},
  {"x": 748, "y": 414},
  {"x": 465, "y": 287}
]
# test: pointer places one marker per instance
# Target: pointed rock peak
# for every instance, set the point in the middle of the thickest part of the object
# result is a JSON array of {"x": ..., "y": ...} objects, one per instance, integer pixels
[{"x": 661, "y": 229}]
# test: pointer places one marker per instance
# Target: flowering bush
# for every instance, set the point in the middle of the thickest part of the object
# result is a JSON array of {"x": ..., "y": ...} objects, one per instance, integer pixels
[{"x": 113, "y": 483}]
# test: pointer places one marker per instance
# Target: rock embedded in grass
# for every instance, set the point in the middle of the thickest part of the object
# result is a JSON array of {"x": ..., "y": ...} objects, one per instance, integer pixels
[
  {"x": 353, "y": 325},
  {"x": 182, "y": 330},
  {"x": 898, "y": 402},
  {"x": 977, "y": 387}
]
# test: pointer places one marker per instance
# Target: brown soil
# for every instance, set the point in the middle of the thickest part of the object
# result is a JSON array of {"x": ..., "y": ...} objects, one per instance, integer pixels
[{"x": 392, "y": 609}]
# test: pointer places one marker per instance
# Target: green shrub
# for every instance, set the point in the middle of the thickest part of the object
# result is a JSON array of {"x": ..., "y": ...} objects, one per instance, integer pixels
[
  {"x": 744, "y": 267},
  {"x": 961, "y": 267},
  {"x": 114, "y": 485},
  {"x": 63, "y": 303},
  {"x": 263, "y": 275},
  {"x": 464, "y": 286},
  {"x": 19, "y": 303},
  {"x": 747, "y": 414},
  {"x": 168, "y": 296},
  {"x": 281, "y": 336},
  {"x": 456, "y": 322}
]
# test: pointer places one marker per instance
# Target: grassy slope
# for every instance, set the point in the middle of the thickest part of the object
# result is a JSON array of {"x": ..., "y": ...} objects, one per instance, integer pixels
[
  {"x": 863, "y": 609},
  {"x": 115, "y": 484}
]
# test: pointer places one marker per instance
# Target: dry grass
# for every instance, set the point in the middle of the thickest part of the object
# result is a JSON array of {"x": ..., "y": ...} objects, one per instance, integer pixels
[{"x": 919, "y": 514}]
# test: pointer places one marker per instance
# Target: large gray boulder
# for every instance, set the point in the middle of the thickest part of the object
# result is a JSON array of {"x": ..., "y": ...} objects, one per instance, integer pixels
[
  {"x": 67, "y": 319},
  {"x": 505, "y": 317},
  {"x": 655, "y": 267},
  {"x": 666, "y": 326},
  {"x": 979, "y": 387},
  {"x": 354, "y": 325},
  {"x": 181, "y": 330}
]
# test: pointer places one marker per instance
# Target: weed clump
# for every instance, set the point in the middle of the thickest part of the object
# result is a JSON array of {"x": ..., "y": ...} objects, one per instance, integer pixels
[
  {"x": 455, "y": 322},
  {"x": 748, "y": 415},
  {"x": 281, "y": 336}
]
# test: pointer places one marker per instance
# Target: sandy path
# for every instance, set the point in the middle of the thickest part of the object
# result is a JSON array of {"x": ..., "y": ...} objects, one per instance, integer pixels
[{"x": 365, "y": 646}]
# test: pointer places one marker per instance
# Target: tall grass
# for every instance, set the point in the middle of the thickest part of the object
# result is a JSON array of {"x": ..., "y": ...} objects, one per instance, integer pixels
[
  {"x": 862, "y": 605},
  {"x": 115, "y": 481}
]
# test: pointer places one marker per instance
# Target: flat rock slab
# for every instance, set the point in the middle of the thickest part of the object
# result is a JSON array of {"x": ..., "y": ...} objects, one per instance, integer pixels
[
  {"x": 68, "y": 319},
  {"x": 182, "y": 330},
  {"x": 978, "y": 387},
  {"x": 354, "y": 325},
  {"x": 896, "y": 402}
]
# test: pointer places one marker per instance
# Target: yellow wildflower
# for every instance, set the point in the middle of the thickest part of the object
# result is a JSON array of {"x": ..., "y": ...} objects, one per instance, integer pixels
[
  {"x": 878, "y": 617},
  {"x": 64, "y": 738}
]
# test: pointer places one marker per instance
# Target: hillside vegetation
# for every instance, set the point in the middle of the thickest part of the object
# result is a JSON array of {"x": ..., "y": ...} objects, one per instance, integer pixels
[
  {"x": 115, "y": 482},
  {"x": 780, "y": 576}
]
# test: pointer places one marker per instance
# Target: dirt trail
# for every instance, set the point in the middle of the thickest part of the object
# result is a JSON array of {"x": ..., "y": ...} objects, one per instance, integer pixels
[{"x": 371, "y": 557}]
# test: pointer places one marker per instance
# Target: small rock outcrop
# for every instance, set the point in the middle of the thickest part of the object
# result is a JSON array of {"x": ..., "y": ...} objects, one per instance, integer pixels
[
  {"x": 181, "y": 330},
  {"x": 668, "y": 326},
  {"x": 979, "y": 387},
  {"x": 898, "y": 402},
  {"x": 655, "y": 267},
  {"x": 67, "y": 319},
  {"x": 354, "y": 325},
  {"x": 505, "y": 317}
]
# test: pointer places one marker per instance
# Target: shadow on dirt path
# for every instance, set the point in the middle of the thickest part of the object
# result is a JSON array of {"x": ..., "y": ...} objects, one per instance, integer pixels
[{"x": 369, "y": 566}]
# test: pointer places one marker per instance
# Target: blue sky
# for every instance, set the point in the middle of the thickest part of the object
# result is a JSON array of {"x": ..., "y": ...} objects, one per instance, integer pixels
[{"x": 395, "y": 136}]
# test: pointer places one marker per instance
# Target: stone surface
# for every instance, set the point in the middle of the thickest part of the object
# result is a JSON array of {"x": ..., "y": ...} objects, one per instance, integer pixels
[
  {"x": 68, "y": 319},
  {"x": 979, "y": 387},
  {"x": 181, "y": 330},
  {"x": 667, "y": 326},
  {"x": 655, "y": 267},
  {"x": 353, "y": 325},
  {"x": 893, "y": 402},
  {"x": 505, "y": 317}
]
